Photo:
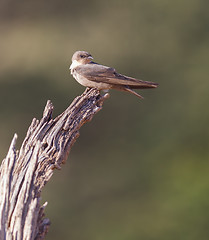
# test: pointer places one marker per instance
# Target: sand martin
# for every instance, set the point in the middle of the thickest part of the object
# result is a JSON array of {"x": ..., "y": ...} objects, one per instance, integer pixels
[{"x": 94, "y": 75}]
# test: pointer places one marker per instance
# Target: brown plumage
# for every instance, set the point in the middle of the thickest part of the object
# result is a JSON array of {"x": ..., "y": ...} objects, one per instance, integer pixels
[{"x": 94, "y": 75}]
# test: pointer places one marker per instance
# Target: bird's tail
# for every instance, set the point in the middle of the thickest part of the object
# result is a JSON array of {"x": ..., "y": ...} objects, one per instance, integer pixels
[{"x": 127, "y": 89}]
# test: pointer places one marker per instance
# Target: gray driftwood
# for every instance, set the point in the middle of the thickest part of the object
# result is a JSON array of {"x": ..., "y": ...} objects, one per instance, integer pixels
[{"x": 23, "y": 174}]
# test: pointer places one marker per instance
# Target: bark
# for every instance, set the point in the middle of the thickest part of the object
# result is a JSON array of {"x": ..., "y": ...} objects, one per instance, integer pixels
[{"x": 24, "y": 173}]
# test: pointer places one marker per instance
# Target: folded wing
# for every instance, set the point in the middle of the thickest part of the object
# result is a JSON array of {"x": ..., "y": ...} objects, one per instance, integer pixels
[{"x": 99, "y": 73}]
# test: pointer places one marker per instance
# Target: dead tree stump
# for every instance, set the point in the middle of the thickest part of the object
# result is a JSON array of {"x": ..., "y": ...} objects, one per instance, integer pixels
[{"x": 24, "y": 173}]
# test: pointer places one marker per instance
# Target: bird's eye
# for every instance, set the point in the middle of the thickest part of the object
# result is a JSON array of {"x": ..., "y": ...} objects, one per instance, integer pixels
[{"x": 82, "y": 56}]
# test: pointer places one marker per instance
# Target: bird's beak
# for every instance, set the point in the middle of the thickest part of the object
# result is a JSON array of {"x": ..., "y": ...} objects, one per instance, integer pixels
[{"x": 90, "y": 57}]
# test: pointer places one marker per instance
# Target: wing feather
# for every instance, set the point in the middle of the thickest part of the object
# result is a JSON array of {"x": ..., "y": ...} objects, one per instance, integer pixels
[{"x": 99, "y": 73}]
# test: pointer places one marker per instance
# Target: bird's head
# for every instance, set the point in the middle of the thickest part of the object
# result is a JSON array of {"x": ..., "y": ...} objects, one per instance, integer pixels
[{"x": 79, "y": 58}]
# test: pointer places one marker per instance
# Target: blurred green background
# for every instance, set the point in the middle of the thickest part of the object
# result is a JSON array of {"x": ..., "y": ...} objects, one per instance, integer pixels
[{"x": 140, "y": 169}]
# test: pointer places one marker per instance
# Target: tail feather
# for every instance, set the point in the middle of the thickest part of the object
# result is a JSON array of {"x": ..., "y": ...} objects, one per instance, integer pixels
[{"x": 133, "y": 92}]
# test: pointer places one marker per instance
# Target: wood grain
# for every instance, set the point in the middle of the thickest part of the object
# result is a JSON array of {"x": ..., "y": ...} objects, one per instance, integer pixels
[{"x": 24, "y": 173}]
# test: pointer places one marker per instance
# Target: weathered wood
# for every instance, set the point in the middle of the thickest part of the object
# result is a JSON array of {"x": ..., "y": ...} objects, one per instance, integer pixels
[{"x": 24, "y": 174}]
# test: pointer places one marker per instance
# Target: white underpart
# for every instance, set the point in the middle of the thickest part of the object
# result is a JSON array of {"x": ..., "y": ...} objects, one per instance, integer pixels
[
  {"x": 84, "y": 81},
  {"x": 74, "y": 64}
]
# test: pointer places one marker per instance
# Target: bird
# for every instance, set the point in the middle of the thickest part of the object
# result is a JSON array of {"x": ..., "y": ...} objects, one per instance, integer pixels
[{"x": 93, "y": 75}]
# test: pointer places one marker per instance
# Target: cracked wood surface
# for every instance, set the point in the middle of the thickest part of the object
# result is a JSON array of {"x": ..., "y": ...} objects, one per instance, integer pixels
[{"x": 23, "y": 174}]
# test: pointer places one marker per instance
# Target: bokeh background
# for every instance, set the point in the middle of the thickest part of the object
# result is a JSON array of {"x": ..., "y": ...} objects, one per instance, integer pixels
[{"x": 140, "y": 169}]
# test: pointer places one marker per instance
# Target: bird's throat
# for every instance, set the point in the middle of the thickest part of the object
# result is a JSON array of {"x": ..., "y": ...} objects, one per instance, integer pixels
[{"x": 74, "y": 64}]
